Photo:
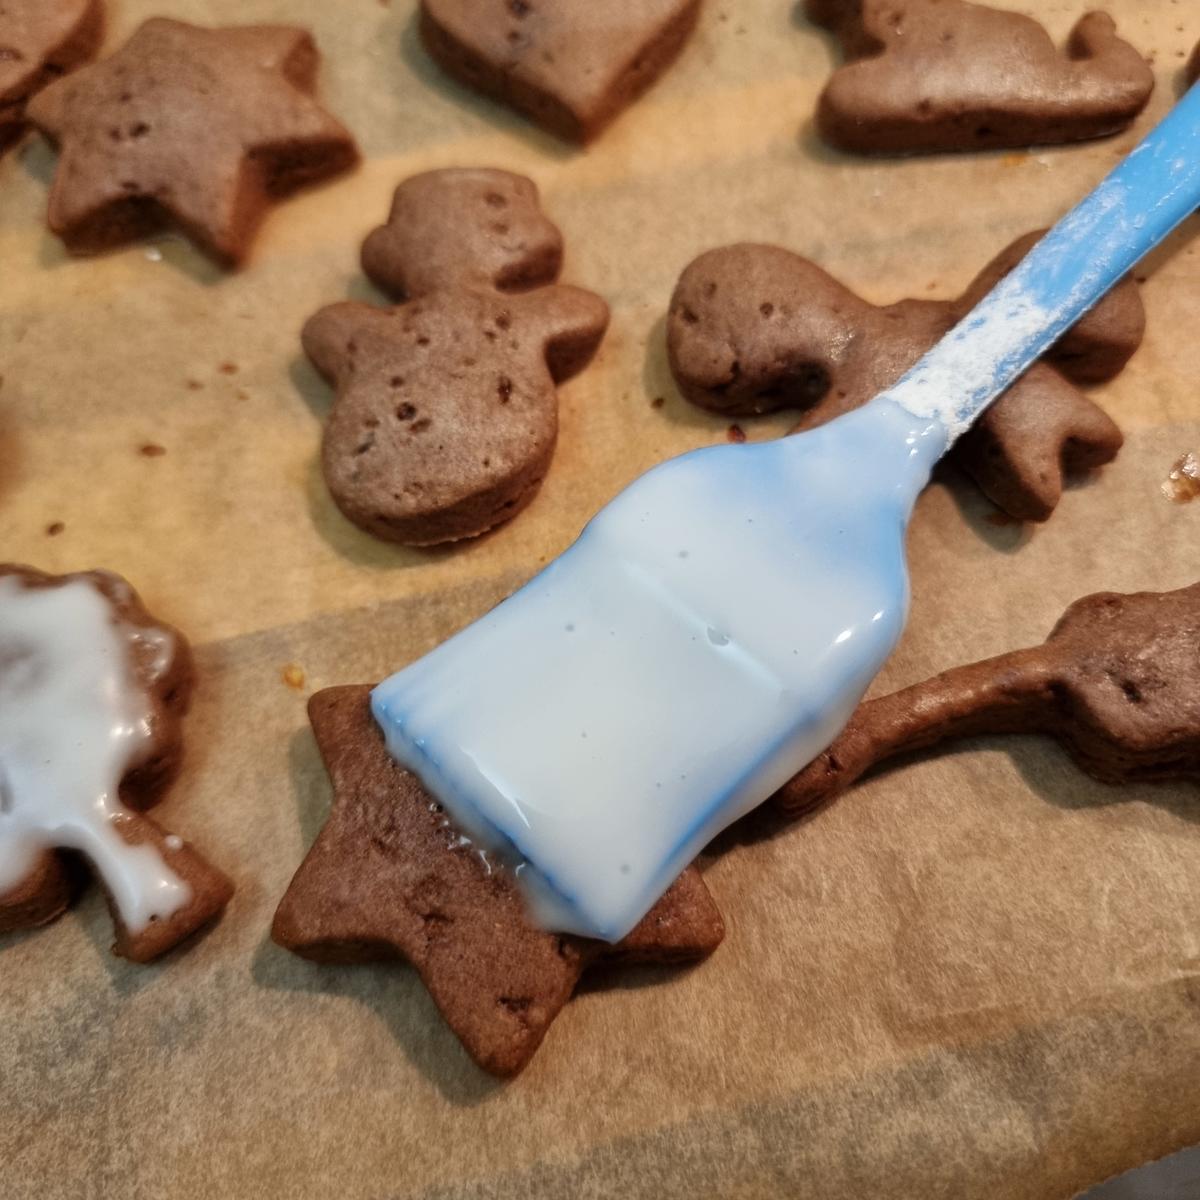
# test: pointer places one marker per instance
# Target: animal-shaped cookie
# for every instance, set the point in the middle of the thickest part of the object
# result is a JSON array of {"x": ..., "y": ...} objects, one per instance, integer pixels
[
  {"x": 185, "y": 126},
  {"x": 92, "y": 692},
  {"x": 1117, "y": 683},
  {"x": 390, "y": 877},
  {"x": 753, "y": 329},
  {"x": 39, "y": 41},
  {"x": 446, "y": 414},
  {"x": 569, "y": 65},
  {"x": 932, "y": 75}
]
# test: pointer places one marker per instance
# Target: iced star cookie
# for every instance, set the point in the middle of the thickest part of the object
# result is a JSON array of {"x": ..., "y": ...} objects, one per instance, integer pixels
[{"x": 390, "y": 877}]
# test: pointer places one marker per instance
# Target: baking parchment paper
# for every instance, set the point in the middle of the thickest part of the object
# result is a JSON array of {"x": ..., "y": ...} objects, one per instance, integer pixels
[{"x": 978, "y": 975}]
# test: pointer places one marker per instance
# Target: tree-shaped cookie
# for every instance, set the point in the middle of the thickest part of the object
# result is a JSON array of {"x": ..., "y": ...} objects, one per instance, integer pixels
[
  {"x": 446, "y": 414},
  {"x": 92, "y": 692},
  {"x": 1117, "y": 683},
  {"x": 39, "y": 41},
  {"x": 754, "y": 329},
  {"x": 390, "y": 877},
  {"x": 932, "y": 75},
  {"x": 185, "y": 126},
  {"x": 569, "y": 65}
]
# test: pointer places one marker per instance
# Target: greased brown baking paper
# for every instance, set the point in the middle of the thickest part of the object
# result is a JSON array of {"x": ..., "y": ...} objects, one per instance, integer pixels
[{"x": 977, "y": 975}]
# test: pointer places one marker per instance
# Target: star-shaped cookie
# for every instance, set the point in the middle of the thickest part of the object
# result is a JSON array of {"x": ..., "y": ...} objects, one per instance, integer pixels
[
  {"x": 198, "y": 128},
  {"x": 390, "y": 877},
  {"x": 39, "y": 41}
]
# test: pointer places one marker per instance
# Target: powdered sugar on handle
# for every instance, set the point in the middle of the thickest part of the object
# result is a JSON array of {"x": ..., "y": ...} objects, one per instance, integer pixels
[
  {"x": 971, "y": 362},
  {"x": 1065, "y": 274},
  {"x": 72, "y": 721}
]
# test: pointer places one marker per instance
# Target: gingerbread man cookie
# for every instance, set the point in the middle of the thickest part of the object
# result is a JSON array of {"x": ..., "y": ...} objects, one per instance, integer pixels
[
  {"x": 753, "y": 329},
  {"x": 446, "y": 414},
  {"x": 569, "y": 65},
  {"x": 1115, "y": 683},
  {"x": 92, "y": 692},
  {"x": 390, "y": 877},
  {"x": 196, "y": 128},
  {"x": 932, "y": 75},
  {"x": 39, "y": 41}
]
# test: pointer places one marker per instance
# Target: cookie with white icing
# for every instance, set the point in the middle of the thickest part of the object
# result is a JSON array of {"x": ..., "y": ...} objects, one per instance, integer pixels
[
  {"x": 391, "y": 877},
  {"x": 569, "y": 65},
  {"x": 93, "y": 690}
]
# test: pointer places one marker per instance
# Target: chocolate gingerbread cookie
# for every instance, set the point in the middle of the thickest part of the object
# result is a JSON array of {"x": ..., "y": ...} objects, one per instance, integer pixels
[
  {"x": 39, "y": 41},
  {"x": 185, "y": 126},
  {"x": 92, "y": 693},
  {"x": 446, "y": 414},
  {"x": 570, "y": 65},
  {"x": 1115, "y": 683},
  {"x": 754, "y": 329},
  {"x": 932, "y": 75},
  {"x": 390, "y": 877}
]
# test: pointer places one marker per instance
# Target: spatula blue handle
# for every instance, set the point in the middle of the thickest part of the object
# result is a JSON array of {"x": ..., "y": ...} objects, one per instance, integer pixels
[{"x": 1067, "y": 272}]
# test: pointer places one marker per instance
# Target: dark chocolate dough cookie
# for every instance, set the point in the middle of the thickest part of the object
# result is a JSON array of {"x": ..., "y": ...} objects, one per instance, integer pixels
[
  {"x": 56, "y": 712},
  {"x": 390, "y": 877},
  {"x": 196, "y": 128},
  {"x": 39, "y": 41},
  {"x": 754, "y": 329},
  {"x": 931, "y": 75},
  {"x": 569, "y": 65},
  {"x": 1117, "y": 683},
  {"x": 446, "y": 414}
]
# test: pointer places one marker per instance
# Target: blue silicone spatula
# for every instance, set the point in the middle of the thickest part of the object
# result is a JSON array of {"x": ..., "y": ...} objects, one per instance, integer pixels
[{"x": 714, "y": 627}]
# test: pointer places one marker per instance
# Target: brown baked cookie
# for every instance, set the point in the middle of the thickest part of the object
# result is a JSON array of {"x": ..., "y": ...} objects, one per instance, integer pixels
[
  {"x": 753, "y": 329},
  {"x": 196, "y": 128},
  {"x": 569, "y": 65},
  {"x": 390, "y": 877},
  {"x": 932, "y": 75},
  {"x": 1193, "y": 67},
  {"x": 39, "y": 41},
  {"x": 446, "y": 414},
  {"x": 92, "y": 693},
  {"x": 1115, "y": 683}
]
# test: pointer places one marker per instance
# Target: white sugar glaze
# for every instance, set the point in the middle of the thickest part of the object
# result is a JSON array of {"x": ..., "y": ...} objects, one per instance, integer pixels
[{"x": 72, "y": 721}]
